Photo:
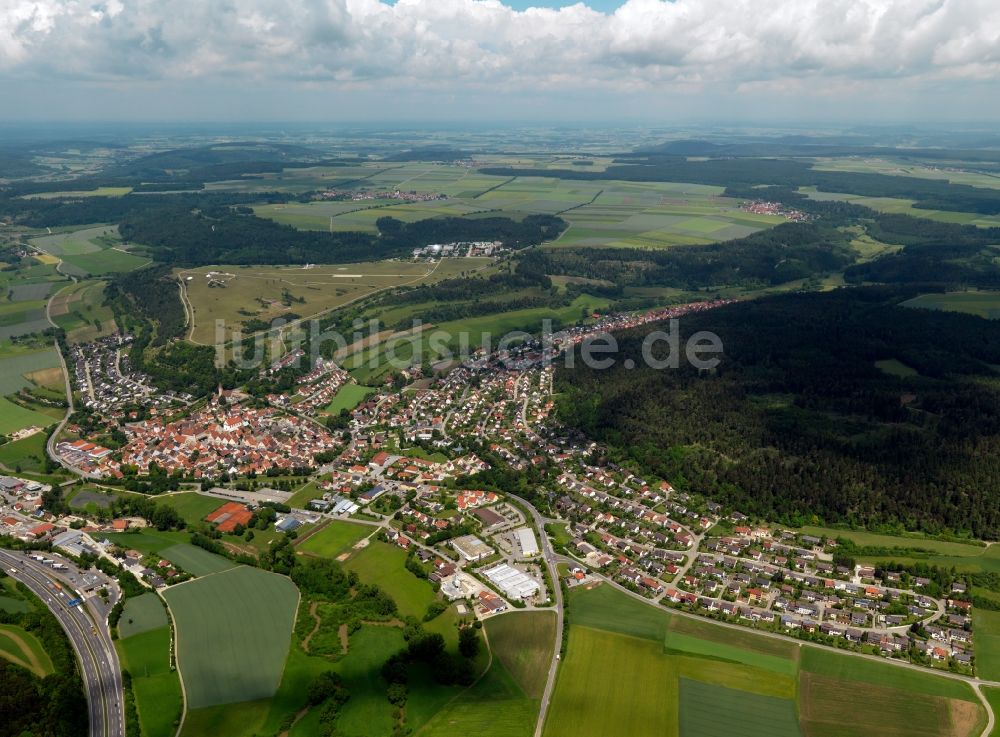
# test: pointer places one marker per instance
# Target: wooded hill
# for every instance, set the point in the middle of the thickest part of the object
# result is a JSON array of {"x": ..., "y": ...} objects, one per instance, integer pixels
[{"x": 799, "y": 421}]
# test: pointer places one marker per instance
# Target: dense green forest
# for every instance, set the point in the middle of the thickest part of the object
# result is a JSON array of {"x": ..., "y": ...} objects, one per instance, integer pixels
[
  {"x": 785, "y": 253},
  {"x": 54, "y": 706},
  {"x": 799, "y": 421},
  {"x": 179, "y": 235}
]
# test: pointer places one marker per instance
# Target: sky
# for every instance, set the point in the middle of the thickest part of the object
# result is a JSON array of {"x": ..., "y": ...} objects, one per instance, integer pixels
[{"x": 639, "y": 61}]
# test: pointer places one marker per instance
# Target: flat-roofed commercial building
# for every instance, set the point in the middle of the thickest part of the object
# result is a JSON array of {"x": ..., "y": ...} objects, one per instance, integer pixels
[
  {"x": 526, "y": 539},
  {"x": 471, "y": 547},
  {"x": 513, "y": 583}
]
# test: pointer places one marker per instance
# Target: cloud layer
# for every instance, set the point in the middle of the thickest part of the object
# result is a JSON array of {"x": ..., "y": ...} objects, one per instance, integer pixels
[
  {"x": 485, "y": 42},
  {"x": 748, "y": 46}
]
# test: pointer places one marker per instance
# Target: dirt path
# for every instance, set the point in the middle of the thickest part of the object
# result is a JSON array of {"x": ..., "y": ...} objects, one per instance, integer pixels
[
  {"x": 342, "y": 634},
  {"x": 315, "y": 629},
  {"x": 298, "y": 715}
]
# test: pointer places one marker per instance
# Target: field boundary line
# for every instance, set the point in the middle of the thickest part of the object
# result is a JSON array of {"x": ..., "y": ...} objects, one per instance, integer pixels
[{"x": 214, "y": 573}]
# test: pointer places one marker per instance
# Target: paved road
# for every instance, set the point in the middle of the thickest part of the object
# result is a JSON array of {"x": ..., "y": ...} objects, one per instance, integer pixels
[
  {"x": 91, "y": 640},
  {"x": 50, "y": 446},
  {"x": 550, "y": 562}
]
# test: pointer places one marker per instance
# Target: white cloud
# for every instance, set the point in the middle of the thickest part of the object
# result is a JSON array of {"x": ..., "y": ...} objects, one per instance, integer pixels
[{"x": 484, "y": 45}]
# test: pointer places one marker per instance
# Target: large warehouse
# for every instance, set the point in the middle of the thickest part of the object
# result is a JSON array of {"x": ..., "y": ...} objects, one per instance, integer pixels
[
  {"x": 513, "y": 583},
  {"x": 526, "y": 539},
  {"x": 471, "y": 547}
]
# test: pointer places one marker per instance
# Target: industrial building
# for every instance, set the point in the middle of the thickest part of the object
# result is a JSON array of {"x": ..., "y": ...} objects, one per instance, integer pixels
[
  {"x": 471, "y": 547},
  {"x": 513, "y": 583},
  {"x": 526, "y": 539}
]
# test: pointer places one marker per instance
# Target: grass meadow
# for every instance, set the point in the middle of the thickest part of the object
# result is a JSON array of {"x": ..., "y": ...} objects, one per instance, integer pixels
[
  {"x": 141, "y": 614},
  {"x": 157, "y": 688},
  {"x": 986, "y": 625},
  {"x": 336, "y": 538},
  {"x": 241, "y": 293},
  {"x": 384, "y": 564},
  {"x": 348, "y": 397}
]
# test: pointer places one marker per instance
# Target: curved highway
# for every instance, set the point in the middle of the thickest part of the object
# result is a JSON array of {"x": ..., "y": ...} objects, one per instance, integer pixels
[{"x": 102, "y": 680}]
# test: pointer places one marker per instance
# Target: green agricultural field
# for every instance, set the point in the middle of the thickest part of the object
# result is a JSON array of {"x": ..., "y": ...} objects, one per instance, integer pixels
[
  {"x": 196, "y": 560},
  {"x": 829, "y": 663},
  {"x": 336, "y": 538},
  {"x": 767, "y": 676},
  {"x": 14, "y": 417},
  {"x": 603, "y": 607},
  {"x": 689, "y": 644},
  {"x": 907, "y": 168},
  {"x": 714, "y": 711},
  {"x": 983, "y": 304},
  {"x": 348, "y": 397},
  {"x": 523, "y": 642},
  {"x": 658, "y": 215},
  {"x": 235, "y": 720},
  {"x": 613, "y": 684},
  {"x": 599, "y": 213},
  {"x": 191, "y": 505},
  {"x": 833, "y": 707},
  {"x": 22, "y": 648},
  {"x": 262, "y": 716},
  {"x": 106, "y": 261},
  {"x": 141, "y": 614},
  {"x": 233, "y": 633},
  {"x": 80, "y": 310},
  {"x": 993, "y": 696},
  {"x": 157, "y": 688},
  {"x": 15, "y": 364},
  {"x": 384, "y": 564},
  {"x": 905, "y": 207},
  {"x": 964, "y": 557},
  {"x": 149, "y": 540},
  {"x": 986, "y": 625},
  {"x": 99, "y": 192},
  {"x": 76, "y": 242},
  {"x": 704, "y": 629}
]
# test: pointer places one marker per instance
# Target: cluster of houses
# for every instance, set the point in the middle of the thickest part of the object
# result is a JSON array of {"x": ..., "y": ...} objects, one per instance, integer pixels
[
  {"x": 317, "y": 388},
  {"x": 223, "y": 438},
  {"x": 103, "y": 377},
  {"x": 363, "y": 195},
  {"x": 761, "y": 207}
]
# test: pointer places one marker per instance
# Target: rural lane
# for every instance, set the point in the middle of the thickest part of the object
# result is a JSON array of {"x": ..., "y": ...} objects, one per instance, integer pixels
[{"x": 550, "y": 562}]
